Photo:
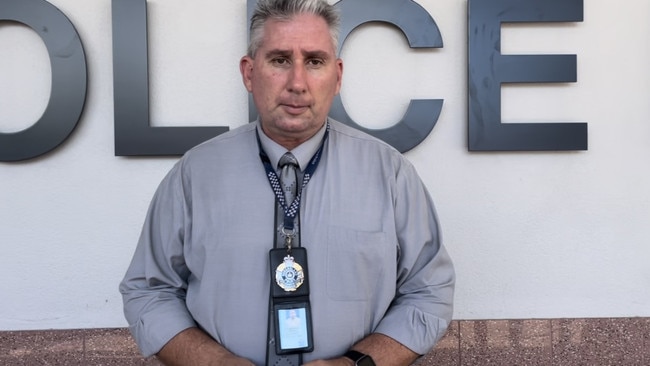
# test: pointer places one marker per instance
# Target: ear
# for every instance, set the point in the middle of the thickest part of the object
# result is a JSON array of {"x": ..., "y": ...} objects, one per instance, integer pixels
[
  {"x": 339, "y": 74},
  {"x": 246, "y": 69}
]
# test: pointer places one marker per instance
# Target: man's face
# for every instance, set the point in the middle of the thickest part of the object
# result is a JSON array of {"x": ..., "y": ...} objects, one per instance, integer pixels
[{"x": 293, "y": 78}]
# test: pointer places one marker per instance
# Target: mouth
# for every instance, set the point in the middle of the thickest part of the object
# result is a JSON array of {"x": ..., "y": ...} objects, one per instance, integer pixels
[{"x": 295, "y": 109}]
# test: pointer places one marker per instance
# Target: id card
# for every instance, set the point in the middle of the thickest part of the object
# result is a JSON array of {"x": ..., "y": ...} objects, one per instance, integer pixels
[{"x": 293, "y": 332}]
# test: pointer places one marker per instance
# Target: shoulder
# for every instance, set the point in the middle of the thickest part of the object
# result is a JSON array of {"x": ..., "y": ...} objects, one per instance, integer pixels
[
  {"x": 217, "y": 155},
  {"x": 349, "y": 134},
  {"x": 238, "y": 138},
  {"x": 225, "y": 147},
  {"x": 363, "y": 146}
]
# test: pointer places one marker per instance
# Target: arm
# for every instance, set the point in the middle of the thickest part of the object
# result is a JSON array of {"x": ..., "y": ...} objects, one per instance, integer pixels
[
  {"x": 383, "y": 350},
  {"x": 154, "y": 287},
  {"x": 194, "y": 347},
  {"x": 423, "y": 305}
]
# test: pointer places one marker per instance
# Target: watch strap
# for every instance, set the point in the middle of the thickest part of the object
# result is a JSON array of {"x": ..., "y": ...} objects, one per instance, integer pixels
[{"x": 357, "y": 356}]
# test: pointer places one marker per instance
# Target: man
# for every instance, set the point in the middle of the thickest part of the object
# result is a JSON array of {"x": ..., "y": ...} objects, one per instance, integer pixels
[{"x": 380, "y": 282}]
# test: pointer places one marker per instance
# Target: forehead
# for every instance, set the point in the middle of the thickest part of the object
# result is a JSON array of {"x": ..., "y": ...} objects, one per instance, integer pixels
[{"x": 304, "y": 31}]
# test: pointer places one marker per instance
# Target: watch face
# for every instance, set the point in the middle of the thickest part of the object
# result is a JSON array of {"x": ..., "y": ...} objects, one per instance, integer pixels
[
  {"x": 359, "y": 358},
  {"x": 365, "y": 361}
]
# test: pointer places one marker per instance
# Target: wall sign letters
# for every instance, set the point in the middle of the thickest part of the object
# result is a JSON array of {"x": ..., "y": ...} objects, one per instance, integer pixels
[{"x": 134, "y": 135}]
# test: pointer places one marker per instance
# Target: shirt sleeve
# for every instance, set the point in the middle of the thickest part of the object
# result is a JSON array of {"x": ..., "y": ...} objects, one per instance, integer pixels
[
  {"x": 155, "y": 283},
  {"x": 423, "y": 304}
]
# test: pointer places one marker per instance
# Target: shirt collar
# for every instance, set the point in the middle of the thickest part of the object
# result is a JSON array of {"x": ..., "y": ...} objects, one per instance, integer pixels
[{"x": 303, "y": 152}]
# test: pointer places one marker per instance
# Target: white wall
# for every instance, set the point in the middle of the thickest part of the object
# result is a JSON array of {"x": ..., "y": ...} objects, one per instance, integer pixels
[{"x": 533, "y": 235}]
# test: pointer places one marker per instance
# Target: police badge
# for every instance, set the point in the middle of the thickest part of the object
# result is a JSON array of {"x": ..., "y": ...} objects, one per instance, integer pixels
[{"x": 289, "y": 274}]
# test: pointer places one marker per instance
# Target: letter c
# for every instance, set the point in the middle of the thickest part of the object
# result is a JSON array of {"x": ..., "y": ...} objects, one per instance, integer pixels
[{"x": 421, "y": 31}]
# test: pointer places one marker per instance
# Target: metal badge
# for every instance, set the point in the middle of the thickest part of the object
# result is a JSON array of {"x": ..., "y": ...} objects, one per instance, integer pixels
[{"x": 289, "y": 274}]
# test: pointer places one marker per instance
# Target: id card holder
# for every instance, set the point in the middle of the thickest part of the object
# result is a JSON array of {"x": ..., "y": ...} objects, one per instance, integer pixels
[
  {"x": 293, "y": 331},
  {"x": 290, "y": 296},
  {"x": 289, "y": 272}
]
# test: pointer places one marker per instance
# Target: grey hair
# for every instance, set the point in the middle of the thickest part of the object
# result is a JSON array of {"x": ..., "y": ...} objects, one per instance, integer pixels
[{"x": 284, "y": 10}]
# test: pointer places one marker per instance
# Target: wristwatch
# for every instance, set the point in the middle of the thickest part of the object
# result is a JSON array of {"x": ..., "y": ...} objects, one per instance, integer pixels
[{"x": 359, "y": 358}]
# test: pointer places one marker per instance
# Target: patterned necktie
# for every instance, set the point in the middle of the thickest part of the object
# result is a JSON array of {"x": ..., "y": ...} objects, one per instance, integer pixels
[{"x": 289, "y": 177}]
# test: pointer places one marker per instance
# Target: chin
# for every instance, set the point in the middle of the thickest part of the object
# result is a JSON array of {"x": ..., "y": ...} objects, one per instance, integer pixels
[{"x": 296, "y": 124}]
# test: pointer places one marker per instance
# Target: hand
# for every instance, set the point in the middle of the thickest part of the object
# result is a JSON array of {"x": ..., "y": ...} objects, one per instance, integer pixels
[
  {"x": 341, "y": 361},
  {"x": 195, "y": 347}
]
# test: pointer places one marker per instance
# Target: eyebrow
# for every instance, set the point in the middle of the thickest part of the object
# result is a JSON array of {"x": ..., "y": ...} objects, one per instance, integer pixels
[
  {"x": 316, "y": 54},
  {"x": 307, "y": 54},
  {"x": 277, "y": 52}
]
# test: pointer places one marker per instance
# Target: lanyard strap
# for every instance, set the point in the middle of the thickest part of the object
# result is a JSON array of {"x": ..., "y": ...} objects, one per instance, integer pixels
[{"x": 290, "y": 212}]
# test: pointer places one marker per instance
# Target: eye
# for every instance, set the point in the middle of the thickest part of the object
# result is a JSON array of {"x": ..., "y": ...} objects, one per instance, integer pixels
[
  {"x": 315, "y": 62},
  {"x": 280, "y": 61}
]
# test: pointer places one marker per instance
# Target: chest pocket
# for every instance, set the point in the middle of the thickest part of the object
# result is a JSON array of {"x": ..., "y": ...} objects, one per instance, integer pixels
[{"x": 356, "y": 263}]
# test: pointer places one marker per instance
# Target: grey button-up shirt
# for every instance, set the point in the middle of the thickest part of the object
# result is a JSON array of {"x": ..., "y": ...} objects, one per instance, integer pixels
[{"x": 376, "y": 263}]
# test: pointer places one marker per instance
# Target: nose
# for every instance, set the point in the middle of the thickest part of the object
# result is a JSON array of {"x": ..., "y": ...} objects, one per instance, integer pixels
[{"x": 297, "y": 82}]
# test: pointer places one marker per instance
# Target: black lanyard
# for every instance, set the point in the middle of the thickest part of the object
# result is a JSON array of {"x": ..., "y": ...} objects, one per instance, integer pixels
[{"x": 290, "y": 212}]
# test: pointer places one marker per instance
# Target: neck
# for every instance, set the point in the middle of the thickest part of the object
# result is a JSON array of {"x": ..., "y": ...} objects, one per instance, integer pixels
[{"x": 290, "y": 141}]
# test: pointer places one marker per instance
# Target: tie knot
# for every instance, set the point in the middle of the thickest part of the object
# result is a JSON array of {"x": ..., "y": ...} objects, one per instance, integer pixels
[{"x": 288, "y": 159}]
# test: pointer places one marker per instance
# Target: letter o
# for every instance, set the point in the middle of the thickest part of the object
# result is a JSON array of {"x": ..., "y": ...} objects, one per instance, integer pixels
[{"x": 69, "y": 80}]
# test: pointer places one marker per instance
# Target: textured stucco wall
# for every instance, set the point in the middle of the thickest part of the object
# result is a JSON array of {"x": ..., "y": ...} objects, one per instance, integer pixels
[{"x": 533, "y": 235}]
